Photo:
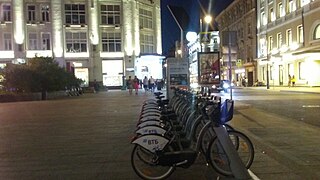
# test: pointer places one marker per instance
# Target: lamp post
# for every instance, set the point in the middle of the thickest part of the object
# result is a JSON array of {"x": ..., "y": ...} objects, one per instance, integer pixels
[
  {"x": 268, "y": 84},
  {"x": 207, "y": 19}
]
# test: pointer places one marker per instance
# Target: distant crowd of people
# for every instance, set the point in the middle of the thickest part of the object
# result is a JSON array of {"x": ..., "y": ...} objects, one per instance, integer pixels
[{"x": 147, "y": 84}]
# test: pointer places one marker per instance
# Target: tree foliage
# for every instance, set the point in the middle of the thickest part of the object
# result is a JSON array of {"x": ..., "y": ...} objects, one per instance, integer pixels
[{"x": 39, "y": 74}]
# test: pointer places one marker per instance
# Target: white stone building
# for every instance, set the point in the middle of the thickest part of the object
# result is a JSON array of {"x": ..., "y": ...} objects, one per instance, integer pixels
[
  {"x": 104, "y": 40},
  {"x": 288, "y": 41}
]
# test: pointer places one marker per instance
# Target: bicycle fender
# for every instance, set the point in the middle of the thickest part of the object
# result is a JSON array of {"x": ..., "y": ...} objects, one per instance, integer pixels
[
  {"x": 152, "y": 142},
  {"x": 148, "y": 123},
  {"x": 150, "y": 118},
  {"x": 149, "y": 113},
  {"x": 151, "y": 130}
]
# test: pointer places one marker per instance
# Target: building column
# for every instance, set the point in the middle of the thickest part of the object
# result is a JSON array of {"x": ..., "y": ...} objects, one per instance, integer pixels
[
  {"x": 157, "y": 17},
  {"x": 19, "y": 28},
  {"x": 57, "y": 31},
  {"x": 95, "y": 65},
  {"x": 128, "y": 35}
]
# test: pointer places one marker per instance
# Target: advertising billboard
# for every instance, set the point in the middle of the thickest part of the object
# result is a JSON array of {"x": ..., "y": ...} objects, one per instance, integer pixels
[
  {"x": 177, "y": 74},
  {"x": 208, "y": 68}
]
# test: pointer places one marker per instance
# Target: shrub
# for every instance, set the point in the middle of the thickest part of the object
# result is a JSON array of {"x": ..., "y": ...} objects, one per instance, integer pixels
[{"x": 39, "y": 74}]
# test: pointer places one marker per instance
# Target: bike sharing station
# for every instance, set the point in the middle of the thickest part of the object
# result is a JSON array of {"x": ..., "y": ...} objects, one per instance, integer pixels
[{"x": 171, "y": 137}]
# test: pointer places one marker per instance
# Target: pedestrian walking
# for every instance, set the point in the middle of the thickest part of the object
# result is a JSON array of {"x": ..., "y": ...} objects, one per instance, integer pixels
[
  {"x": 151, "y": 84},
  {"x": 293, "y": 81},
  {"x": 289, "y": 80},
  {"x": 136, "y": 84},
  {"x": 130, "y": 85},
  {"x": 145, "y": 84}
]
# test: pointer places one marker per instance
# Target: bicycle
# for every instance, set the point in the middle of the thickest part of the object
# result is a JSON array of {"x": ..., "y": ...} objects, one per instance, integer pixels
[{"x": 162, "y": 156}]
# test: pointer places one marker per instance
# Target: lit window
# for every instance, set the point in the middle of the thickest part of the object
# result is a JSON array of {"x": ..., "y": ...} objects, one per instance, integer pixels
[
  {"x": 263, "y": 46},
  {"x": 145, "y": 19},
  {"x": 263, "y": 18},
  {"x": 45, "y": 38},
  {"x": 300, "y": 34},
  {"x": 280, "y": 10},
  {"x": 76, "y": 42},
  {"x": 289, "y": 37},
  {"x": 45, "y": 13},
  {"x": 111, "y": 42},
  {"x": 146, "y": 43},
  {"x": 75, "y": 13},
  {"x": 6, "y": 13},
  {"x": 110, "y": 14},
  {"x": 33, "y": 42},
  {"x": 270, "y": 44},
  {"x": 272, "y": 16},
  {"x": 316, "y": 33},
  {"x": 291, "y": 6},
  {"x": 31, "y": 12},
  {"x": 279, "y": 40},
  {"x": 7, "y": 41}
]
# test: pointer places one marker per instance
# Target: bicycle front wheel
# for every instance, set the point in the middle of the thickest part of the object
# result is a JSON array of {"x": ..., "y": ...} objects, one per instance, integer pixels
[
  {"x": 145, "y": 164},
  {"x": 209, "y": 135},
  {"x": 218, "y": 159}
]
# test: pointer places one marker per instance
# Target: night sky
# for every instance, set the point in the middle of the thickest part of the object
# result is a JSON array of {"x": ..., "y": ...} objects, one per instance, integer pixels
[{"x": 170, "y": 29}]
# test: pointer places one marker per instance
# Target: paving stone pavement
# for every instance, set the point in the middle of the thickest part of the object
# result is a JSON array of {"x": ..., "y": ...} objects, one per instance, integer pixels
[
  {"x": 88, "y": 137},
  {"x": 85, "y": 137}
]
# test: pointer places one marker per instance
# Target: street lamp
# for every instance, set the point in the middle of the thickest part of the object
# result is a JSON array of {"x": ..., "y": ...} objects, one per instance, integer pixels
[{"x": 207, "y": 19}]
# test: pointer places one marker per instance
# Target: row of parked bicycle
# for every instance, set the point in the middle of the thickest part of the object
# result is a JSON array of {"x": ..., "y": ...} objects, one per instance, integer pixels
[{"x": 172, "y": 133}]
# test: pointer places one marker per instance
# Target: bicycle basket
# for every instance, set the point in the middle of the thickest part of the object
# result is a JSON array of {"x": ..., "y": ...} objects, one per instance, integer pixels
[
  {"x": 226, "y": 111},
  {"x": 213, "y": 111}
]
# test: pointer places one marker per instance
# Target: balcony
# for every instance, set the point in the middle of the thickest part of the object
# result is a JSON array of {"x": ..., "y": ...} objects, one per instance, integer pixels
[{"x": 75, "y": 25}]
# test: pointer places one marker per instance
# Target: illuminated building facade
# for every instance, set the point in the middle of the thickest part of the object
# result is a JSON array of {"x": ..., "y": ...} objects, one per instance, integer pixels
[
  {"x": 103, "y": 40},
  {"x": 288, "y": 41},
  {"x": 240, "y": 17}
]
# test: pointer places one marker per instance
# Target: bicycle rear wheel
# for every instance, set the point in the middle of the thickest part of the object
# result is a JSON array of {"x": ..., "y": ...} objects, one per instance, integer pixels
[
  {"x": 218, "y": 159},
  {"x": 145, "y": 165}
]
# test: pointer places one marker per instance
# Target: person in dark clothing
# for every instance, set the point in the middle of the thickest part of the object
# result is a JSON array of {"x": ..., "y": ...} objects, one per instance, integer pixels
[{"x": 96, "y": 86}]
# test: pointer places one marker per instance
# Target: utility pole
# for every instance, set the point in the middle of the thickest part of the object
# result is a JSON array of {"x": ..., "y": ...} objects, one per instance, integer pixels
[{"x": 229, "y": 63}]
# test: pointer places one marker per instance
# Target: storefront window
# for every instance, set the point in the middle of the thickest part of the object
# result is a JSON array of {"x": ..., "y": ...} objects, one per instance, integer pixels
[
  {"x": 112, "y": 72},
  {"x": 83, "y": 74}
]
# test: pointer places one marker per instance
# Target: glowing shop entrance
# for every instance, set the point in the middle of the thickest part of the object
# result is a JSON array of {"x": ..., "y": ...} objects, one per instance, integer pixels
[{"x": 112, "y": 71}]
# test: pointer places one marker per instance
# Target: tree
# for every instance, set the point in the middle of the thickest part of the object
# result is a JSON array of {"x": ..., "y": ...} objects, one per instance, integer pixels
[{"x": 39, "y": 74}]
